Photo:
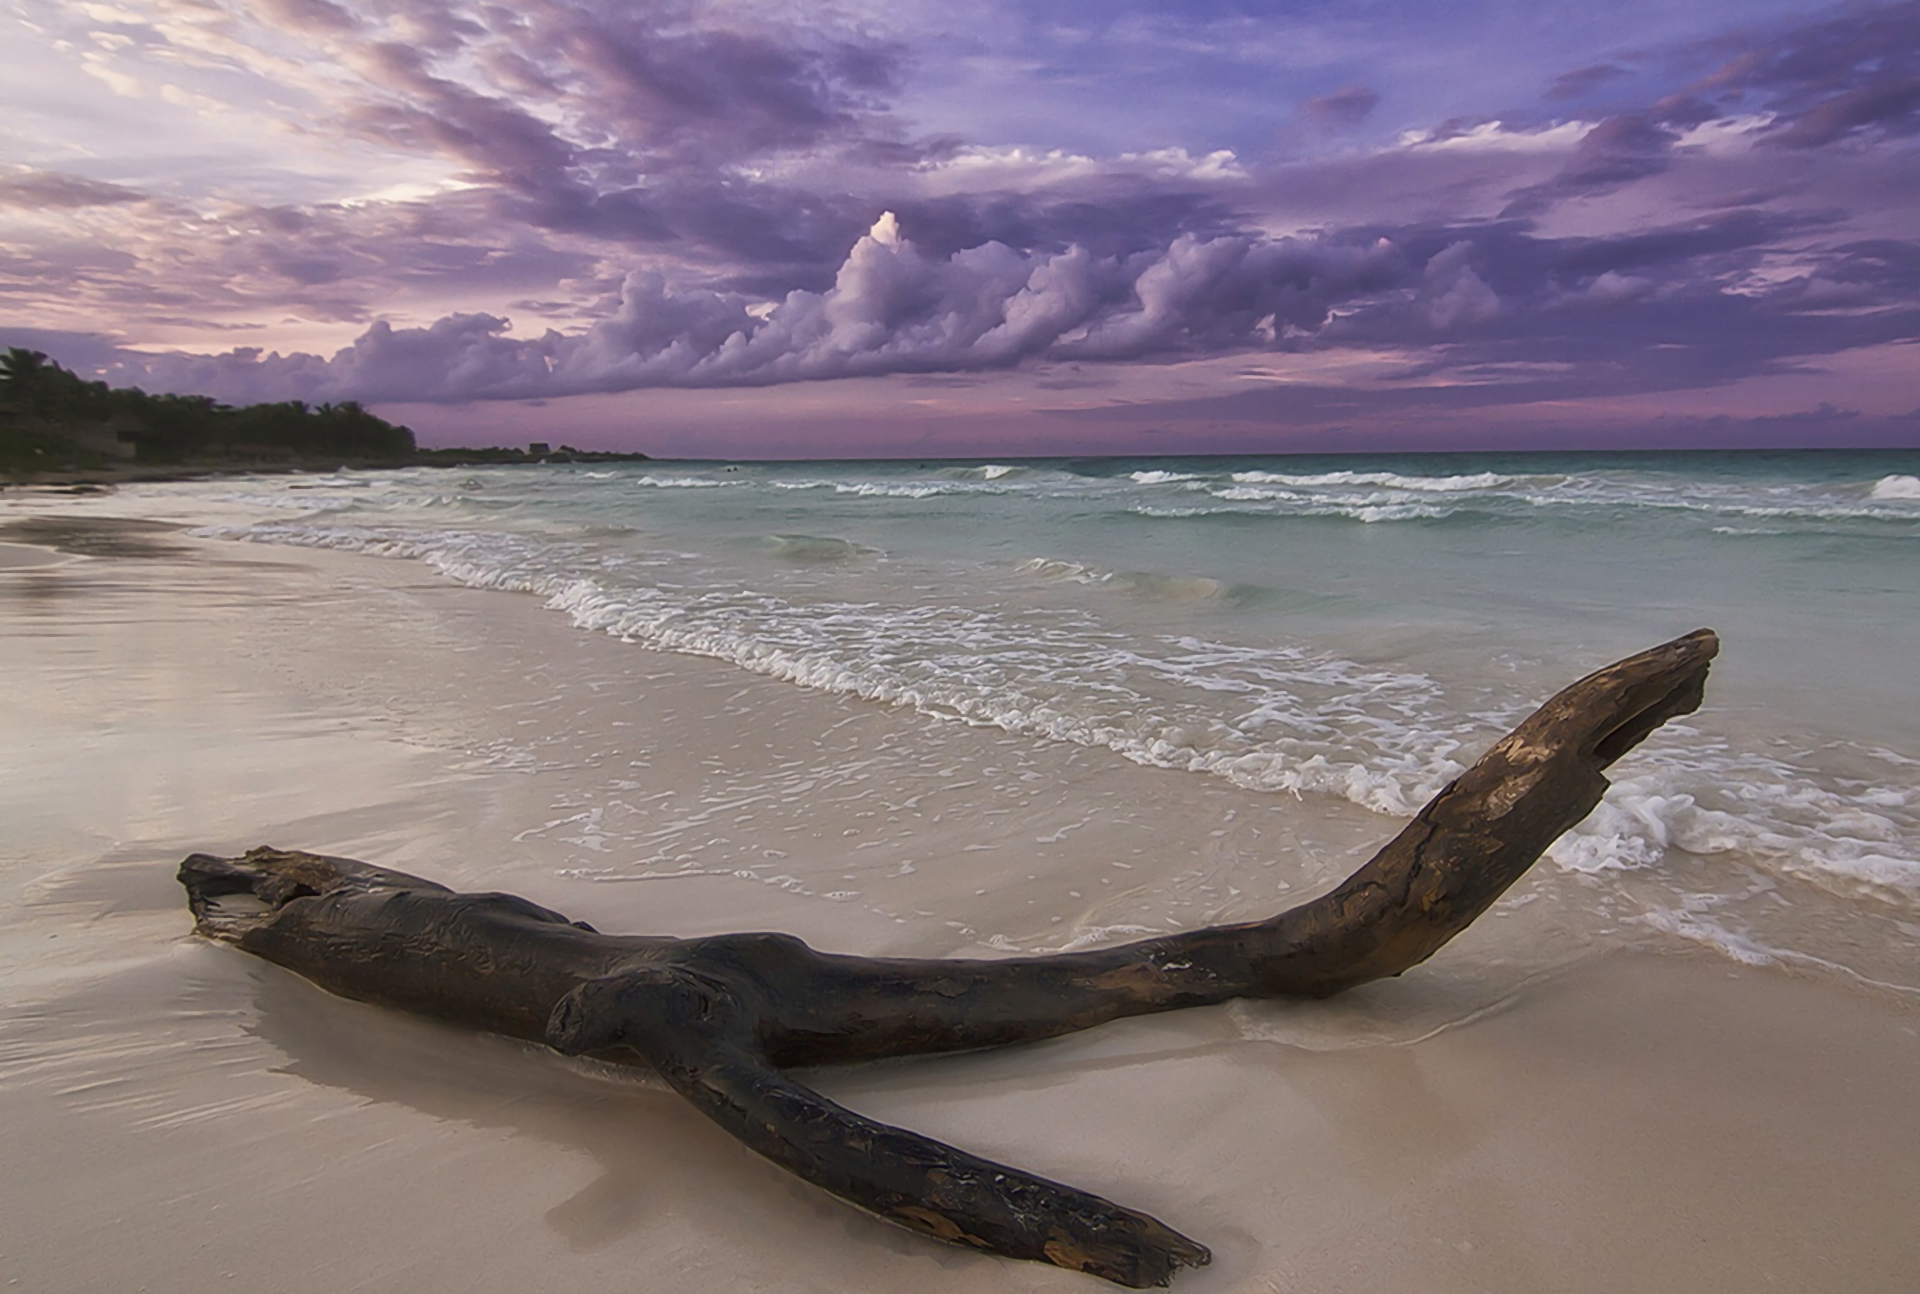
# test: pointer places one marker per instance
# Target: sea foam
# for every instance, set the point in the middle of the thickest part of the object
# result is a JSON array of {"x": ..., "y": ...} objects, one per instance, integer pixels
[
  {"x": 796, "y": 576},
  {"x": 1389, "y": 480},
  {"x": 1304, "y": 724}
]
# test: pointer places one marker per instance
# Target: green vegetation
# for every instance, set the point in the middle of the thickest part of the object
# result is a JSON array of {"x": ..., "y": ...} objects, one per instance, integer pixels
[
  {"x": 54, "y": 423},
  {"x": 53, "y": 420}
]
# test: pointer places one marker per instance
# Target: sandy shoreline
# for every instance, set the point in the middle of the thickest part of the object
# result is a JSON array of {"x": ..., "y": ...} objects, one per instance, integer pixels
[{"x": 173, "y": 1113}]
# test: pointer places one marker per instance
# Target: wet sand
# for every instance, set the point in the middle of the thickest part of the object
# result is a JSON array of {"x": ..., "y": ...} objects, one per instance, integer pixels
[{"x": 1536, "y": 1109}]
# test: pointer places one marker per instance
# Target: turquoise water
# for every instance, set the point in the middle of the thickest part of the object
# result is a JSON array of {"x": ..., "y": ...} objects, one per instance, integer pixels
[{"x": 1353, "y": 627}]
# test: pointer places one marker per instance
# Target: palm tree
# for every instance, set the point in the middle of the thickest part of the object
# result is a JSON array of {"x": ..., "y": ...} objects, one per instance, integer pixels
[{"x": 24, "y": 375}]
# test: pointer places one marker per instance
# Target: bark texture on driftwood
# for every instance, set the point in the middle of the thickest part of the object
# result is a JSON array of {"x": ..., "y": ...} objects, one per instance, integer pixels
[{"x": 721, "y": 1018}]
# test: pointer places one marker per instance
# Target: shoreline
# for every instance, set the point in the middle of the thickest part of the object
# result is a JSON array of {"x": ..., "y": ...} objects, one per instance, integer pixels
[
  {"x": 65, "y": 480},
  {"x": 508, "y": 456},
  {"x": 1619, "y": 1119}
]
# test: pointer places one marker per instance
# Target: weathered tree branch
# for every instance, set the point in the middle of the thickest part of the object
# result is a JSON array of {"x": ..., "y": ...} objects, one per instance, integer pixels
[{"x": 720, "y": 1018}]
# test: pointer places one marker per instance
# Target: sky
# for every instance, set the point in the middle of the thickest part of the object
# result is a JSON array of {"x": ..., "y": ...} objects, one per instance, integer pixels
[{"x": 775, "y": 229}]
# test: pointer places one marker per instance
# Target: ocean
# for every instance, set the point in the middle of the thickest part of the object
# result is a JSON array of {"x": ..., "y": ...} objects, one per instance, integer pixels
[{"x": 1326, "y": 638}]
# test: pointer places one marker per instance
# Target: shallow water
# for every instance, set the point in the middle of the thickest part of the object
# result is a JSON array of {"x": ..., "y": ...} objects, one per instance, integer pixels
[
  {"x": 1522, "y": 1107},
  {"x": 1308, "y": 631}
]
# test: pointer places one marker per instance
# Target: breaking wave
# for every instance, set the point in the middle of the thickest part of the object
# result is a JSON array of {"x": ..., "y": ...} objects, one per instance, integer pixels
[
  {"x": 1268, "y": 717},
  {"x": 1389, "y": 480}
]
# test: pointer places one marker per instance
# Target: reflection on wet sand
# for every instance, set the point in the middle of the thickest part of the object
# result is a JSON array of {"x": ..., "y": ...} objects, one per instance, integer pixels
[
  {"x": 96, "y": 536},
  {"x": 176, "y": 1116}
]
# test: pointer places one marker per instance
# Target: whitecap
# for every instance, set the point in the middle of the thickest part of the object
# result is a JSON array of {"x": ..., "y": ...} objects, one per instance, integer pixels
[
  {"x": 1896, "y": 487},
  {"x": 1265, "y": 717},
  {"x": 287, "y": 502},
  {"x": 1394, "y": 512},
  {"x": 1387, "y": 480},
  {"x": 890, "y": 490},
  {"x": 679, "y": 482},
  {"x": 1254, "y": 494},
  {"x": 1775, "y": 816},
  {"x": 1377, "y": 506}
]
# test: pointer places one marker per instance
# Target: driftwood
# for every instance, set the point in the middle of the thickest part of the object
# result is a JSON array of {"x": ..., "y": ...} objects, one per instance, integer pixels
[{"x": 722, "y": 1018}]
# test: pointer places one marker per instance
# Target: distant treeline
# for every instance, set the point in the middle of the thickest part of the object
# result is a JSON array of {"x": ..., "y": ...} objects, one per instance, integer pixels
[{"x": 48, "y": 413}]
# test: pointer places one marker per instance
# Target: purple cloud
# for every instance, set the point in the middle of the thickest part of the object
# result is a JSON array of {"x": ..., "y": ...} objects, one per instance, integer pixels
[
  {"x": 683, "y": 194},
  {"x": 1583, "y": 81},
  {"x": 1615, "y": 153},
  {"x": 891, "y": 309},
  {"x": 1893, "y": 105},
  {"x": 56, "y": 191},
  {"x": 1828, "y": 78},
  {"x": 1345, "y": 107},
  {"x": 1494, "y": 293}
]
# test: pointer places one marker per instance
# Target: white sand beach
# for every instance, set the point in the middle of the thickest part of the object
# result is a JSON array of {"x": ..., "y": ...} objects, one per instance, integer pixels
[{"x": 1526, "y": 1113}]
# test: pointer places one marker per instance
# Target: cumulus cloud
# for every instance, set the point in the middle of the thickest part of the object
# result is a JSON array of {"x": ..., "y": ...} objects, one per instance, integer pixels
[
  {"x": 1454, "y": 293},
  {"x": 892, "y": 308},
  {"x": 1613, "y": 288},
  {"x": 683, "y": 193},
  {"x": 1676, "y": 303}
]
